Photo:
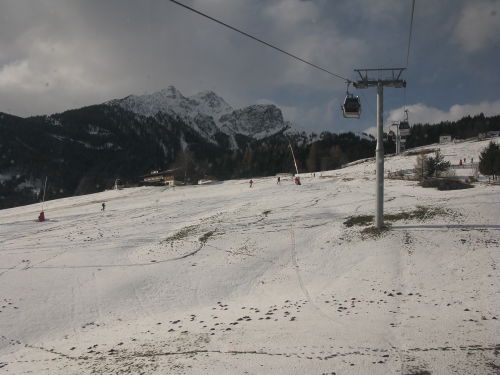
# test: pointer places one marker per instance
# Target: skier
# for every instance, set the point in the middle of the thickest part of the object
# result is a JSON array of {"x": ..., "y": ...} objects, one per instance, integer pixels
[
  {"x": 296, "y": 180},
  {"x": 251, "y": 182},
  {"x": 41, "y": 217},
  {"x": 279, "y": 181},
  {"x": 103, "y": 206}
]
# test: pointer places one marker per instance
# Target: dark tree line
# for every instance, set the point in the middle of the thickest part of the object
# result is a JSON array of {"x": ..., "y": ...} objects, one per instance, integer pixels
[
  {"x": 272, "y": 156},
  {"x": 85, "y": 150},
  {"x": 467, "y": 127}
]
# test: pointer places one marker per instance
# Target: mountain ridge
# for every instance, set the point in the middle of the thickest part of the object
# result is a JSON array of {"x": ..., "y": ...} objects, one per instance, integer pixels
[
  {"x": 83, "y": 150},
  {"x": 208, "y": 114}
]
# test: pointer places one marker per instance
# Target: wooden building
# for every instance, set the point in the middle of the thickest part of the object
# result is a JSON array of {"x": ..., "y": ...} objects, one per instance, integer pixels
[{"x": 171, "y": 177}]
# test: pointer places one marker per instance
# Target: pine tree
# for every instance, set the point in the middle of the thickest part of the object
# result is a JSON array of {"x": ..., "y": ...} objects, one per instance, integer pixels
[
  {"x": 436, "y": 165},
  {"x": 489, "y": 160}
]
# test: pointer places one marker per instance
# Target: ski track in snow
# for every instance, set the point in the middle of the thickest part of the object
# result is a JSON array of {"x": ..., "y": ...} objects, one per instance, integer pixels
[{"x": 231, "y": 279}]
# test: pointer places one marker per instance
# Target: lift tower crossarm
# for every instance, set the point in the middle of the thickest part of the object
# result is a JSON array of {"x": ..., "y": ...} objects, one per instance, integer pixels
[{"x": 364, "y": 83}]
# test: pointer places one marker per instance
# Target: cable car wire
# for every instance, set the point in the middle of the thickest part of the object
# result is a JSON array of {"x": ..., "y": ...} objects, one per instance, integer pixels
[
  {"x": 261, "y": 41},
  {"x": 405, "y": 102},
  {"x": 409, "y": 35}
]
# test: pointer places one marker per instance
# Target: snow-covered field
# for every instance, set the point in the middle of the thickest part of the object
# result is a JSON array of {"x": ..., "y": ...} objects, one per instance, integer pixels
[{"x": 227, "y": 279}]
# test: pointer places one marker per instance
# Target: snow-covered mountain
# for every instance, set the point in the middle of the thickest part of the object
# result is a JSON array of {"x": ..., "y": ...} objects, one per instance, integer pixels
[
  {"x": 256, "y": 121},
  {"x": 208, "y": 114},
  {"x": 125, "y": 138},
  {"x": 171, "y": 101}
]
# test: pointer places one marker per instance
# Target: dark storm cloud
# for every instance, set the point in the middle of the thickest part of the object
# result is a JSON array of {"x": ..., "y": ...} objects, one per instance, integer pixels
[{"x": 57, "y": 54}]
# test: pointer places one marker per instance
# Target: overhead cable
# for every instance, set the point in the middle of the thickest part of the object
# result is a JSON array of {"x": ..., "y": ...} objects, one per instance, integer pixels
[
  {"x": 260, "y": 41},
  {"x": 409, "y": 35}
]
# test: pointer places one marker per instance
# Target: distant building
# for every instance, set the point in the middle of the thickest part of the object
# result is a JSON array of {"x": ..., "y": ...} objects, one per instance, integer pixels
[
  {"x": 171, "y": 177},
  {"x": 445, "y": 139},
  {"x": 493, "y": 133},
  {"x": 207, "y": 180}
]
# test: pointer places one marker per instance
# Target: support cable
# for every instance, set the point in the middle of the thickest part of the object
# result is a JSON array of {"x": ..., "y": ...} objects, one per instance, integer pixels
[
  {"x": 408, "y": 50},
  {"x": 409, "y": 35},
  {"x": 261, "y": 41}
]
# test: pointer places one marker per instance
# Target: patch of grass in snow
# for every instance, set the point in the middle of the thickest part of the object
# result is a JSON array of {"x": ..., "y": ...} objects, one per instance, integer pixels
[
  {"x": 203, "y": 239},
  {"x": 374, "y": 232},
  {"x": 180, "y": 235},
  {"x": 360, "y": 220},
  {"x": 446, "y": 184},
  {"x": 420, "y": 213}
]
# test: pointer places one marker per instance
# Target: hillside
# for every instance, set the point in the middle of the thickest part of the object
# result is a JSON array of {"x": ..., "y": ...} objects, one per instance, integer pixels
[
  {"x": 227, "y": 279},
  {"x": 84, "y": 150}
]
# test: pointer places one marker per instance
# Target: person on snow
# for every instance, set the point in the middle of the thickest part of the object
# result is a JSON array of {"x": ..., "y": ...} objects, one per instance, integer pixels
[
  {"x": 279, "y": 181},
  {"x": 251, "y": 182},
  {"x": 296, "y": 180},
  {"x": 103, "y": 206}
]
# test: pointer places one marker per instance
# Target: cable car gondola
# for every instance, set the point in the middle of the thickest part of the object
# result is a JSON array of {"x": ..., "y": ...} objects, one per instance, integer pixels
[
  {"x": 404, "y": 126},
  {"x": 352, "y": 106}
]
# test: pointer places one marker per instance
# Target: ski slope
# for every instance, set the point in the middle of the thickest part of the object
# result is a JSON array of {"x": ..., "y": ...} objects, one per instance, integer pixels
[{"x": 226, "y": 279}]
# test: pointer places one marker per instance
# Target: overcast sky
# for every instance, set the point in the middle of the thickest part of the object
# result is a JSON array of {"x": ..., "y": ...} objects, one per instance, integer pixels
[{"x": 60, "y": 54}]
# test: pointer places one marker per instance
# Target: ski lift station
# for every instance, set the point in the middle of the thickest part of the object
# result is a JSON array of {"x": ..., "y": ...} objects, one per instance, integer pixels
[{"x": 445, "y": 139}]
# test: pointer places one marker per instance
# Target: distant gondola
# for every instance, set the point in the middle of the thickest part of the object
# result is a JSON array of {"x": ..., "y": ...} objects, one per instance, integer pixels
[
  {"x": 404, "y": 125},
  {"x": 351, "y": 107},
  {"x": 404, "y": 128}
]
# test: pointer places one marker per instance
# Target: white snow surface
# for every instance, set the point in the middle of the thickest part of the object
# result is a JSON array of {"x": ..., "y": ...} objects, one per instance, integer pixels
[{"x": 228, "y": 279}]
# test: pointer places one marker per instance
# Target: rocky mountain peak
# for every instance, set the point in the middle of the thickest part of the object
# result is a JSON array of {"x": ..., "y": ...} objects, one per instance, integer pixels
[
  {"x": 171, "y": 92},
  {"x": 208, "y": 114}
]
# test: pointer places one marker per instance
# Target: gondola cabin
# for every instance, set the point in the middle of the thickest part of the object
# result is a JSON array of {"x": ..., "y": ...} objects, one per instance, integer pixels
[
  {"x": 351, "y": 107},
  {"x": 404, "y": 128}
]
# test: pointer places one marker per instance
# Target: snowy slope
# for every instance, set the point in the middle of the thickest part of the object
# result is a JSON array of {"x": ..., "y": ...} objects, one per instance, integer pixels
[{"x": 224, "y": 279}]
